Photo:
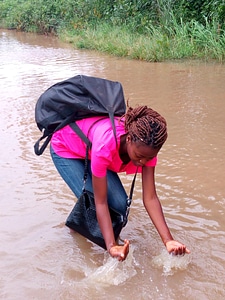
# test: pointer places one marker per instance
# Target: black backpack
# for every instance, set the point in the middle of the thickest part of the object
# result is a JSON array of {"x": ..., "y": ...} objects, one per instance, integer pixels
[{"x": 74, "y": 99}]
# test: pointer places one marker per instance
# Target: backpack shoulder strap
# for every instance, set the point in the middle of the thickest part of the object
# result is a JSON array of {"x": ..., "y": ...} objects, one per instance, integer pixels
[{"x": 80, "y": 133}]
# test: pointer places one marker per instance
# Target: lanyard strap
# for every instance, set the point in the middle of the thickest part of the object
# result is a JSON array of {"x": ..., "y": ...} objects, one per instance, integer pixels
[{"x": 129, "y": 199}]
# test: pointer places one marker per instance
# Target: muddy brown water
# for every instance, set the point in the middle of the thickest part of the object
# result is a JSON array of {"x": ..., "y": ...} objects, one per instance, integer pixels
[{"x": 39, "y": 257}]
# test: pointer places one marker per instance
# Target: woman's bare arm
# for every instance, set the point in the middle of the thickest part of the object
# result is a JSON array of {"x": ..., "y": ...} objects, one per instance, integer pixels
[
  {"x": 155, "y": 212},
  {"x": 104, "y": 219}
]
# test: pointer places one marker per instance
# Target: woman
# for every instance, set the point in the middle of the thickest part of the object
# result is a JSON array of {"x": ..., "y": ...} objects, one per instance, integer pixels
[{"x": 140, "y": 134}]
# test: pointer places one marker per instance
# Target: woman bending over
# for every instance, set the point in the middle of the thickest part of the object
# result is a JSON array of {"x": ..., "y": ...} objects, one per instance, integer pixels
[{"x": 140, "y": 134}]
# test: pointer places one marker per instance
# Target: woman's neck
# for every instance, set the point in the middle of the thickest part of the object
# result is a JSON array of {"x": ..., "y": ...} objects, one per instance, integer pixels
[{"x": 123, "y": 149}]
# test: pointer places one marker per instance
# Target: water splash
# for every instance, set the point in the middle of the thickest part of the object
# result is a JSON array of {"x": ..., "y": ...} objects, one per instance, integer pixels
[
  {"x": 170, "y": 263},
  {"x": 113, "y": 272}
]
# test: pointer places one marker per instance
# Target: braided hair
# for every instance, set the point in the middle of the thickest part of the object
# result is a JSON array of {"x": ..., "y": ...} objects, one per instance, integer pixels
[{"x": 146, "y": 125}]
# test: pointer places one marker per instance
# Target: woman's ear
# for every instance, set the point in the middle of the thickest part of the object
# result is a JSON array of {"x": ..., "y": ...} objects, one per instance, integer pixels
[{"x": 128, "y": 139}]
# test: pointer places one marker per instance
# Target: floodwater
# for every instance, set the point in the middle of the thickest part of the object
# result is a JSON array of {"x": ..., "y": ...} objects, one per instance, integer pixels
[{"x": 39, "y": 257}]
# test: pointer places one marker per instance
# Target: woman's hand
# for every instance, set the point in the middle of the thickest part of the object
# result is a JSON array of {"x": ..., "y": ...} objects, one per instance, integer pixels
[
  {"x": 176, "y": 248},
  {"x": 120, "y": 251}
]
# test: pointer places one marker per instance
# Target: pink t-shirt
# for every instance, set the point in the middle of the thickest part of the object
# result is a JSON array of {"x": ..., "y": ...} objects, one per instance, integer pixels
[{"x": 104, "y": 154}]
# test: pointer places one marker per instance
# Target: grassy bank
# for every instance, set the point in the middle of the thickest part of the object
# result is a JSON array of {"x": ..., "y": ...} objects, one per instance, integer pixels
[
  {"x": 178, "y": 42},
  {"x": 146, "y": 30}
]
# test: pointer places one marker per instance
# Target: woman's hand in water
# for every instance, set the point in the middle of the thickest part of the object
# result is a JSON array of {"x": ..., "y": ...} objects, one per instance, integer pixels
[
  {"x": 120, "y": 251},
  {"x": 176, "y": 248}
]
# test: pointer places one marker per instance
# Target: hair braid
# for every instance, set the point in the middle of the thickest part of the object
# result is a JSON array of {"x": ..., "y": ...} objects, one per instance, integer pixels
[{"x": 146, "y": 125}]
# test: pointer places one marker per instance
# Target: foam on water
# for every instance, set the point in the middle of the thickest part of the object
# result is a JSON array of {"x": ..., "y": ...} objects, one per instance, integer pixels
[
  {"x": 170, "y": 263},
  {"x": 113, "y": 272}
]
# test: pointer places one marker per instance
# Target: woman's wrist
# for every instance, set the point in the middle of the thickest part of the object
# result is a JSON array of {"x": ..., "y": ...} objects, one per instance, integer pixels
[
  {"x": 165, "y": 241},
  {"x": 109, "y": 247}
]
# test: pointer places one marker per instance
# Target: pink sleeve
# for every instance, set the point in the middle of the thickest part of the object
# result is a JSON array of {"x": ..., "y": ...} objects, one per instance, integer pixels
[
  {"x": 152, "y": 162},
  {"x": 102, "y": 152},
  {"x": 100, "y": 162}
]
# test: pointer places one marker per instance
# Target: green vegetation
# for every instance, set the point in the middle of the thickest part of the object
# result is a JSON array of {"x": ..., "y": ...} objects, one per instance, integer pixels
[{"x": 152, "y": 30}]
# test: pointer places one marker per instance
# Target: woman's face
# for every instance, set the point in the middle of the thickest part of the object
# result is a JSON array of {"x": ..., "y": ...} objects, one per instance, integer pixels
[{"x": 140, "y": 153}]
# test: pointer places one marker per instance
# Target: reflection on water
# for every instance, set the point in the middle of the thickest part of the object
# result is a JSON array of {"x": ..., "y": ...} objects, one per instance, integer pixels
[{"x": 40, "y": 257}]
